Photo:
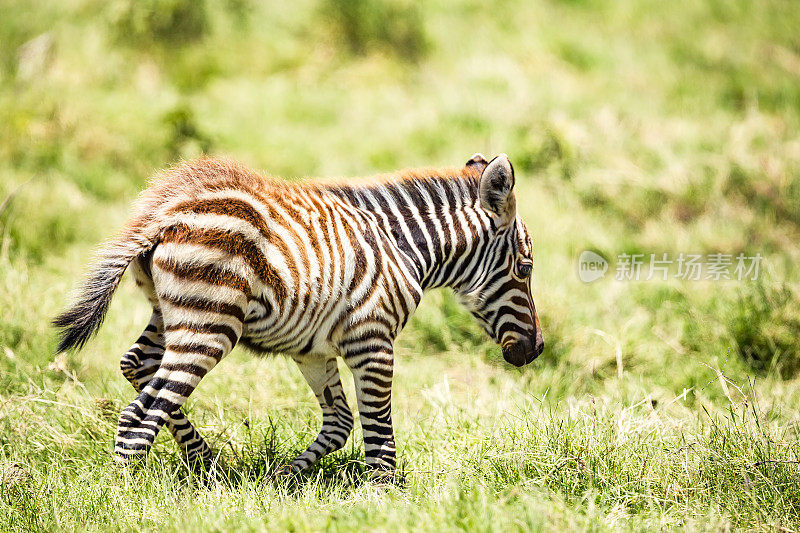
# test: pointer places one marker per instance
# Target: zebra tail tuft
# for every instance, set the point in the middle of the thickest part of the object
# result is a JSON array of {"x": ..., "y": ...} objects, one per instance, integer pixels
[{"x": 83, "y": 318}]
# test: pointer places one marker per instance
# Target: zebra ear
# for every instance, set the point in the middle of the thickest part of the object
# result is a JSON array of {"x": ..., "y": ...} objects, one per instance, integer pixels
[
  {"x": 477, "y": 161},
  {"x": 497, "y": 189}
]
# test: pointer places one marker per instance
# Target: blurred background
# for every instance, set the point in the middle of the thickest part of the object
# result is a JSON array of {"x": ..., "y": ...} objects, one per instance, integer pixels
[{"x": 635, "y": 127}]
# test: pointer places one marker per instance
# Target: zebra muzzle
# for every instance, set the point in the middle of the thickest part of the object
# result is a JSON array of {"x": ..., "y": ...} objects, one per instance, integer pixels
[{"x": 523, "y": 351}]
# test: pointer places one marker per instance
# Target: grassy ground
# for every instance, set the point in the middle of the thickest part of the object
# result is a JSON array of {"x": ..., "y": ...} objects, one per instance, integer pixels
[{"x": 635, "y": 127}]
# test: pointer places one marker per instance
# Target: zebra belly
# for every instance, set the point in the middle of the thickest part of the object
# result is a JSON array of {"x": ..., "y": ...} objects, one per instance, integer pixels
[
  {"x": 308, "y": 345},
  {"x": 263, "y": 333}
]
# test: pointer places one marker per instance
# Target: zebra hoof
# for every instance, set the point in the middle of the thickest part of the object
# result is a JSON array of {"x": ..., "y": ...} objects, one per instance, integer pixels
[
  {"x": 286, "y": 472},
  {"x": 381, "y": 476}
]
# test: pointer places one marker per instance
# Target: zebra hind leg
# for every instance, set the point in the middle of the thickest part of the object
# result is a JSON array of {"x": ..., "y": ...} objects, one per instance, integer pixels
[
  {"x": 322, "y": 375},
  {"x": 138, "y": 365},
  {"x": 195, "y": 340}
]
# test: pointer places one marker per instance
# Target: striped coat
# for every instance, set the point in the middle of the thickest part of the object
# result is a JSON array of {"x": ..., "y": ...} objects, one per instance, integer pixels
[{"x": 315, "y": 270}]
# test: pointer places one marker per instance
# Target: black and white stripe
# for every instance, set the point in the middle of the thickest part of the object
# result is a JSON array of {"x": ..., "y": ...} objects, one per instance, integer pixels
[{"x": 317, "y": 271}]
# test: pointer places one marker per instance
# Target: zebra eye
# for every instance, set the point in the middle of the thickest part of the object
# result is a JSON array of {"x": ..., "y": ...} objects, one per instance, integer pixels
[{"x": 524, "y": 269}]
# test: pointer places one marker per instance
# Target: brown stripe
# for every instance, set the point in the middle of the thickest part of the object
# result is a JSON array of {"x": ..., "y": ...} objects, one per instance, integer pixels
[
  {"x": 197, "y": 370},
  {"x": 237, "y": 208},
  {"x": 200, "y": 349},
  {"x": 215, "y": 329},
  {"x": 201, "y": 304},
  {"x": 210, "y": 274},
  {"x": 234, "y": 244},
  {"x": 232, "y": 207},
  {"x": 316, "y": 245},
  {"x": 360, "y": 256}
]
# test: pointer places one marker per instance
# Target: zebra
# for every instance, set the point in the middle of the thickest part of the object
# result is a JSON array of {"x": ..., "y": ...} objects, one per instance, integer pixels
[{"x": 319, "y": 270}]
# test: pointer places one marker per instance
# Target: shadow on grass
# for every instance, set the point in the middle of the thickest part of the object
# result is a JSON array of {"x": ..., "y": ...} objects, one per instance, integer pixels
[{"x": 261, "y": 459}]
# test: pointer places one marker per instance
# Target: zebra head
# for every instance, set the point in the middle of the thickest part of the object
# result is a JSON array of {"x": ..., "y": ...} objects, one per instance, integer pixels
[{"x": 499, "y": 295}]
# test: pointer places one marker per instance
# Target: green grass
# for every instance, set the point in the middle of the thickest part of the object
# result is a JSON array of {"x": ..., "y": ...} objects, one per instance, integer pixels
[{"x": 635, "y": 127}]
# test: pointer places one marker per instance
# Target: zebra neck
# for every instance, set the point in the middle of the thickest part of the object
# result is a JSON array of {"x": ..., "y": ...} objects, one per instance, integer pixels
[
  {"x": 439, "y": 227},
  {"x": 433, "y": 218},
  {"x": 460, "y": 249}
]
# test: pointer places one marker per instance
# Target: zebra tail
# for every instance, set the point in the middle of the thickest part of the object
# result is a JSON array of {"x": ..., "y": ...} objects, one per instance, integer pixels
[{"x": 85, "y": 315}]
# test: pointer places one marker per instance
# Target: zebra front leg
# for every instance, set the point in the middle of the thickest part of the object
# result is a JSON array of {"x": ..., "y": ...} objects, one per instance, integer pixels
[
  {"x": 322, "y": 375},
  {"x": 372, "y": 374},
  {"x": 138, "y": 365}
]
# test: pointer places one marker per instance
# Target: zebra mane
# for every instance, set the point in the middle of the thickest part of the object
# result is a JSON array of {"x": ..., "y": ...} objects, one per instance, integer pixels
[{"x": 460, "y": 185}]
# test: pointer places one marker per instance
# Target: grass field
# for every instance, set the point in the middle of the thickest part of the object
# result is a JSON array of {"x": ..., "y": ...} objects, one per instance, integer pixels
[{"x": 634, "y": 126}]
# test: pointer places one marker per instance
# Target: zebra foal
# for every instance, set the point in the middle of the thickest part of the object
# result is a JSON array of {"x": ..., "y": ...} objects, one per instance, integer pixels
[{"x": 315, "y": 270}]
